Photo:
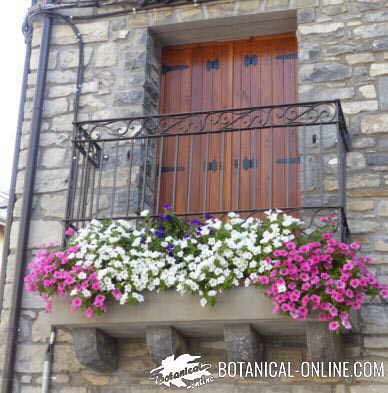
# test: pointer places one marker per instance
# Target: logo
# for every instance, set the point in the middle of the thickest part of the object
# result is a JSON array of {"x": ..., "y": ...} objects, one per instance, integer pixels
[{"x": 183, "y": 372}]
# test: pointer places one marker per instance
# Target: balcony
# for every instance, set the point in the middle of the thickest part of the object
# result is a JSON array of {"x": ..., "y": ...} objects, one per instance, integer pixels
[{"x": 291, "y": 157}]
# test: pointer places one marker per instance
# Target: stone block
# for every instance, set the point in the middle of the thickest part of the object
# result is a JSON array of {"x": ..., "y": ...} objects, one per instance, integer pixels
[
  {"x": 360, "y": 181},
  {"x": 369, "y": 388},
  {"x": 54, "y": 158},
  {"x": 377, "y": 159},
  {"x": 360, "y": 58},
  {"x": 360, "y": 205},
  {"x": 95, "y": 349},
  {"x": 61, "y": 77},
  {"x": 164, "y": 341},
  {"x": 70, "y": 58},
  {"x": 53, "y": 205},
  {"x": 379, "y": 69},
  {"x": 374, "y": 124},
  {"x": 242, "y": 344},
  {"x": 382, "y": 86},
  {"x": 51, "y": 180},
  {"x": 106, "y": 55},
  {"x": 352, "y": 108},
  {"x": 321, "y": 28},
  {"x": 29, "y": 358},
  {"x": 381, "y": 244},
  {"x": 371, "y": 31},
  {"x": 323, "y": 72},
  {"x": 363, "y": 226},
  {"x": 65, "y": 359},
  {"x": 378, "y": 342},
  {"x": 369, "y": 91},
  {"x": 44, "y": 232},
  {"x": 382, "y": 208}
]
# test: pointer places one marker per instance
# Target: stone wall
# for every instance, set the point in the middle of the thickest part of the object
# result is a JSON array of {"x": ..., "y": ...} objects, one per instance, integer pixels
[{"x": 343, "y": 52}]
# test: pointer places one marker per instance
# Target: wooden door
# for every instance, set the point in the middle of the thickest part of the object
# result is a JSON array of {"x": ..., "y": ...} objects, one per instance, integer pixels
[{"x": 238, "y": 170}]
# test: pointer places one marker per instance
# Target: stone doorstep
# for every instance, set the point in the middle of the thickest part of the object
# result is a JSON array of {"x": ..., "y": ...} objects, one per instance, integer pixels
[{"x": 242, "y": 316}]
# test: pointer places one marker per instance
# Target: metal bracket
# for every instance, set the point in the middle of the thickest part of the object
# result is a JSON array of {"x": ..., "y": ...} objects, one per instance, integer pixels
[
  {"x": 165, "y": 169},
  {"x": 288, "y": 160},
  {"x": 246, "y": 163},
  {"x": 212, "y": 65},
  {"x": 169, "y": 68},
  {"x": 250, "y": 60},
  {"x": 287, "y": 56},
  {"x": 249, "y": 163},
  {"x": 212, "y": 165}
]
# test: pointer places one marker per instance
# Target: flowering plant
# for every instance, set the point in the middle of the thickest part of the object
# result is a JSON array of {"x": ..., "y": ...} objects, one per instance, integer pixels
[{"x": 116, "y": 260}]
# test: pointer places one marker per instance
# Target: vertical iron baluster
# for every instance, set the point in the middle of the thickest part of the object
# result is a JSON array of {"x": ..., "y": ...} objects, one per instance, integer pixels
[
  {"x": 132, "y": 142},
  {"x": 92, "y": 186},
  {"x": 175, "y": 171},
  {"x": 321, "y": 168},
  {"x": 190, "y": 167},
  {"x": 100, "y": 170},
  {"x": 74, "y": 185},
  {"x": 222, "y": 172},
  {"x": 159, "y": 178},
  {"x": 116, "y": 164},
  {"x": 255, "y": 163},
  {"x": 206, "y": 173},
  {"x": 86, "y": 183},
  {"x": 288, "y": 165},
  {"x": 304, "y": 167},
  {"x": 240, "y": 165},
  {"x": 144, "y": 174},
  {"x": 81, "y": 187},
  {"x": 271, "y": 168}
]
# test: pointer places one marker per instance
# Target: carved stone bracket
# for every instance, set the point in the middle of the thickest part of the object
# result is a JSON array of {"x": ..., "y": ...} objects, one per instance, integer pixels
[
  {"x": 95, "y": 349},
  {"x": 242, "y": 344},
  {"x": 163, "y": 341},
  {"x": 323, "y": 345}
]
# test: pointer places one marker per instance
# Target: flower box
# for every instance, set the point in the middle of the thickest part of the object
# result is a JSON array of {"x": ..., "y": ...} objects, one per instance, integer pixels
[{"x": 168, "y": 308}]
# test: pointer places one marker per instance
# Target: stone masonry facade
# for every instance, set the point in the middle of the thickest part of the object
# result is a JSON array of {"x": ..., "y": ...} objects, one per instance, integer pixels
[{"x": 343, "y": 54}]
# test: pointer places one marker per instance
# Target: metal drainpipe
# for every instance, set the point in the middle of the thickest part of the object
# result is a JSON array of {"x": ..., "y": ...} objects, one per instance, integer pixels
[
  {"x": 48, "y": 360},
  {"x": 27, "y": 30},
  {"x": 25, "y": 219}
]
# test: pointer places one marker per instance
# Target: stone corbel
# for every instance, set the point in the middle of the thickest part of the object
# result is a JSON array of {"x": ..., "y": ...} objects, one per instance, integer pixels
[
  {"x": 323, "y": 345},
  {"x": 95, "y": 349},
  {"x": 163, "y": 341},
  {"x": 242, "y": 344}
]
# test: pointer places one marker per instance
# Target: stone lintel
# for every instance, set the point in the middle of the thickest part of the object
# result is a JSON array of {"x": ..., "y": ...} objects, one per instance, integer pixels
[
  {"x": 163, "y": 341},
  {"x": 95, "y": 349},
  {"x": 323, "y": 345},
  {"x": 242, "y": 344}
]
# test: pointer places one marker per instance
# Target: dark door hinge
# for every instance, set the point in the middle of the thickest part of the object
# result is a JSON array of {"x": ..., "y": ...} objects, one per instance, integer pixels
[
  {"x": 287, "y": 56},
  {"x": 212, "y": 165},
  {"x": 165, "y": 169},
  {"x": 246, "y": 163},
  {"x": 169, "y": 68},
  {"x": 288, "y": 160},
  {"x": 250, "y": 60},
  {"x": 212, "y": 65}
]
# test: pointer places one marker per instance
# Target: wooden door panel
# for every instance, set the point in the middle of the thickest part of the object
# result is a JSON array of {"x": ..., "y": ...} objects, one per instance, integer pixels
[{"x": 232, "y": 170}]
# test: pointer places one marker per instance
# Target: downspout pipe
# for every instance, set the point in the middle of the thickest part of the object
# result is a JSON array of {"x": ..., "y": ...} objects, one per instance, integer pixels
[
  {"x": 48, "y": 361},
  {"x": 25, "y": 218},
  {"x": 27, "y": 31}
]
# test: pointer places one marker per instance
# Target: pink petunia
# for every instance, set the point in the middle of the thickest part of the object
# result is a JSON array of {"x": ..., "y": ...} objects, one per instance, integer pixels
[
  {"x": 69, "y": 231},
  {"x": 334, "y": 325}
]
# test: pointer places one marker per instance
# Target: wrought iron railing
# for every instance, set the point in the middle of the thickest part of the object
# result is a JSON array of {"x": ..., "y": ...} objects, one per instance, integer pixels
[{"x": 291, "y": 157}]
